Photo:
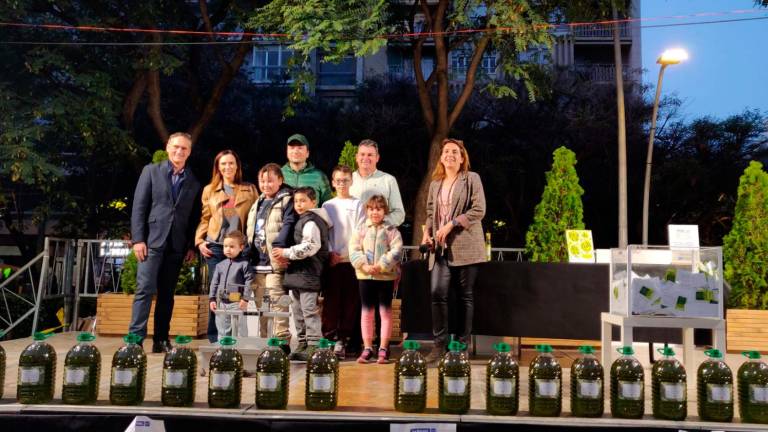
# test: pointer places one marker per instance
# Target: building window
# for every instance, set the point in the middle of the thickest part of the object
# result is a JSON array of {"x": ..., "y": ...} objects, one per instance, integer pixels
[
  {"x": 460, "y": 61},
  {"x": 343, "y": 73},
  {"x": 270, "y": 63}
]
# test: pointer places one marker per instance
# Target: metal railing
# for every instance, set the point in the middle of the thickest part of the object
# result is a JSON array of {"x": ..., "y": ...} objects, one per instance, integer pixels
[
  {"x": 601, "y": 31},
  {"x": 604, "y": 72},
  {"x": 55, "y": 281},
  {"x": 497, "y": 254}
]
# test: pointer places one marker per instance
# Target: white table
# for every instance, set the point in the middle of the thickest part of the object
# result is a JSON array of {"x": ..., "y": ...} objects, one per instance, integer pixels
[{"x": 628, "y": 323}]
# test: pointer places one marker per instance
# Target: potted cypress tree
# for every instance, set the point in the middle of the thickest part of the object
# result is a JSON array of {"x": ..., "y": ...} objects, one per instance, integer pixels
[
  {"x": 560, "y": 209},
  {"x": 745, "y": 254}
]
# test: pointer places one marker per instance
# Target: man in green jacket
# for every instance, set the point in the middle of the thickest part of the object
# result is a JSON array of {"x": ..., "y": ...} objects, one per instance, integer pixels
[{"x": 299, "y": 172}]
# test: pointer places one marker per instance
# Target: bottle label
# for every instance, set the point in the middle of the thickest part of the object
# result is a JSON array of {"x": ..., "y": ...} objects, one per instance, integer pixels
[
  {"x": 630, "y": 390},
  {"x": 758, "y": 394},
  {"x": 123, "y": 377},
  {"x": 589, "y": 389},
  {"x": 672, "y": 392},
  {"x": 75, "y": 376},
  {"x": 411, "y": 384},
  {"x": 175, "y": 378},
  {"x": 719, "y": 393},
  {"x": 269, "y": 381},
  {"x": 222, "y": 380},
  {"x": 32, "y": 375},
  {"x": 455, "y": 386},
  {"x": 502, "y": 387},
  {"x": 321, "y": 383},
  {"x": 547, "y": 388}
]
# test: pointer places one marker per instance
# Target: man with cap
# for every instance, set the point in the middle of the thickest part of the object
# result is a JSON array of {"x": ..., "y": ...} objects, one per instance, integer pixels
[{"x": 298, "y": 172}]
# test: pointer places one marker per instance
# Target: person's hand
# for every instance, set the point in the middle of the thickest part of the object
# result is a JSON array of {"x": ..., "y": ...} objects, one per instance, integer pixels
[
  {"x": 442, "y": 233},
  {"x": 277, "y": 253},
  {"x": 213, "y": 306},
  {"x": 370, "y": 269},
  {"x": 426, "y": 239},
  {"x": 243, "y": 304},
  {"x": 334, "y": 259},
  {"x": 190, "y": 256},
  {"x": 204, "y": 251},
  {"x": 140, "y": 250}
]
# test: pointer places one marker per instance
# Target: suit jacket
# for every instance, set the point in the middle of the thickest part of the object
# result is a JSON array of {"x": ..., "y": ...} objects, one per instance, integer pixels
[
  {"x": 155, "y": 218},
  {"x": 466, "y": 243}
]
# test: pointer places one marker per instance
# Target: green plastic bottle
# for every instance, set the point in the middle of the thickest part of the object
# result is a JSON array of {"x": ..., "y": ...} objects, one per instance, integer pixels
[
  {"x": 714, "y": 386},
  {"x": 179, "y": 369},
  {"x": 411, "y": 379},
  {"x": 627, "y": 386},
  {"x": 545, "y": 384},
  {"x": 322, "y": 385},
  {"x": 454, "y": 380},
  {"x": 2, "y": 367},
  {"x": 272, "y": 376},
  {"x": 225, "y": 377},
  {"x": 37, "y": 372},
  {"x": 129, "y": 373},
  {"x": 668, "y": 387},
  {"x": 753, "y": 389},
  {"x": 502, "y": 378},
  {"x": 587, "y": 385},
  {"x": 82, "y": 371}
]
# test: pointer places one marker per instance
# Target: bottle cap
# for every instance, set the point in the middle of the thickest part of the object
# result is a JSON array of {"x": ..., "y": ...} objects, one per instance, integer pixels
[
  {"x": 324, "y": 343},
  {"x": 183, "y": 340},
  {"x": 714, "y": 353},
  {"x": 275, "y": 342},
  {"x": 586, "y": 349},
  {"x": 411, "y": 345},
  {"x": 40, "y": 336},
  {"x": 86, "y": 337},
  {"x": 132, "y": 338},
  {"x": 753, "y": 355},
  {"x": 666, "y": 351},
  {"x": 456, "y": 346},
  {"x": 502, "y": 347},
  {"x": 544, "y": 348},
  {"x": 227, "y": 341},
  {"x": 625, "y": 350}
]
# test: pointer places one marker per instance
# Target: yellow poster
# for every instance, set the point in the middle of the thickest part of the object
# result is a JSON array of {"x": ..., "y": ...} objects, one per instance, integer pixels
[{"x": 580, "y": 246}]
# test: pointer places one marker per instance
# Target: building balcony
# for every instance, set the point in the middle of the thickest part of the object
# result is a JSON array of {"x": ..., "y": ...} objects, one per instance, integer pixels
[
  {"x": 604, "y": 73},
  {"x": 600, "y": 32}
]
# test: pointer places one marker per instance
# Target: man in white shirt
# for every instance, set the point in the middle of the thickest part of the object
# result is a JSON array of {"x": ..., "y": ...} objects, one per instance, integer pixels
[{"x": 368, "y": 181}]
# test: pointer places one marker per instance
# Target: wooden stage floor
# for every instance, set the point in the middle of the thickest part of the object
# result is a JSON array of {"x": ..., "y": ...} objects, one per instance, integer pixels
[{"x": 366, "y": 393}]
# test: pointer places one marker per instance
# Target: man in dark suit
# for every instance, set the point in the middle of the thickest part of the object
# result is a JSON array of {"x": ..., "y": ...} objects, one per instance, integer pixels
[{"x": 161, "y": 233}]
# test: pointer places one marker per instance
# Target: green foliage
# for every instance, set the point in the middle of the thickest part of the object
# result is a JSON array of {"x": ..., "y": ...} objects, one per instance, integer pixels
[
  {"x": 745, "y": 248},
  {"x": 159, "y": 156},
  {"x": 560, "y": 209},
  {"x": 348, "y": 153},
  {"x": 188, "y": 283}
]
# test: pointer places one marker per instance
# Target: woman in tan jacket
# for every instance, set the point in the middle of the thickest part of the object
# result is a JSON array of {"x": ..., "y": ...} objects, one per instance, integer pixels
[
  {"x": 454, "y": 232},
  {"x": 226, "y": 202}
]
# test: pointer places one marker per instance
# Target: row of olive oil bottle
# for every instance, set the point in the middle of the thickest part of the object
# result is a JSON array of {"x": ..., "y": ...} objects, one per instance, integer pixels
[
  {"x": 37, "y": 371},
  {"x": 669, "y": 399}
]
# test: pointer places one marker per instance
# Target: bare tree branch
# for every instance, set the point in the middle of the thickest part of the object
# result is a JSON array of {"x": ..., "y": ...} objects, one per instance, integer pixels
[
  {"x": 133, "y": 98},
  {"x": 209, "y": 28},
  {"x": 469, "y": 81},
  {"x": 427, "y": 110}
]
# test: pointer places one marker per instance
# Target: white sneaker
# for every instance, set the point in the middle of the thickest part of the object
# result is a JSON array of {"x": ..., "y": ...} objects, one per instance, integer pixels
[{"x": 339, "y": 350}]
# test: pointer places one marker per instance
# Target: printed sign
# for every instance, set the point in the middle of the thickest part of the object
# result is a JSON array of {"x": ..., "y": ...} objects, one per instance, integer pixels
[{"x": 580, "y": 246}]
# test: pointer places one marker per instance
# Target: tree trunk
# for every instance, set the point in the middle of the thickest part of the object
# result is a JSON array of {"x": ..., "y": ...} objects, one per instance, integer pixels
[
  {"x": 420, "y": 209},
  {"x": 623, "y": 237}
]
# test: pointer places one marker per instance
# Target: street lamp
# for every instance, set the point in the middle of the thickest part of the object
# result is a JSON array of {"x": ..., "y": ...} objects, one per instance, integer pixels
[{"x": 668, "y": 57}]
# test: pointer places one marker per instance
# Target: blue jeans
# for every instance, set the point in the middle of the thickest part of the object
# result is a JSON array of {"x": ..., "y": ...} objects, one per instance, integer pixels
[{"x": 217, "y": 257}]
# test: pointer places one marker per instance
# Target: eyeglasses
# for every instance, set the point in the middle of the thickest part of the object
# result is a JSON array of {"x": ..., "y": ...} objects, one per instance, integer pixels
[{"x": 341, "y": 181}]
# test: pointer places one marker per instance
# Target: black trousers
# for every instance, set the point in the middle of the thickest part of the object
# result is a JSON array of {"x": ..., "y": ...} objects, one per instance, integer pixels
[{"x": 454, "y": 283}]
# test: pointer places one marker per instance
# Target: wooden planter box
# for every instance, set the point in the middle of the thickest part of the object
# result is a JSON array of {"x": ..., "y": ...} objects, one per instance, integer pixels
[
  {"x": 397, "y": 334},
  {"x": 190, "y": 315},
  {"x": 747, "y": 330}
]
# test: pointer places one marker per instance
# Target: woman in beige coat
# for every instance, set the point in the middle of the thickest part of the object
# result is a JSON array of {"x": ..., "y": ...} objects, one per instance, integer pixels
[
  {"x": 226, "y": 202},
  {"x": 454, "y": 232}
]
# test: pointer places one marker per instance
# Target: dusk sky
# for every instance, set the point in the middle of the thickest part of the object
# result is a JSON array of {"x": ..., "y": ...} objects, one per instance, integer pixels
[{"x": 728, "y": 64}]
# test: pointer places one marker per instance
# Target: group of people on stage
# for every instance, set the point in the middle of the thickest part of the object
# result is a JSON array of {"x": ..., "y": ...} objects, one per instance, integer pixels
[{"x": 293, "y": 236}]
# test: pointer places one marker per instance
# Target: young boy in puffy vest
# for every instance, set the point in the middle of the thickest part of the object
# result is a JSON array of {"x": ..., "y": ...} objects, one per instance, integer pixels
[{"x": 307, "y": 258}]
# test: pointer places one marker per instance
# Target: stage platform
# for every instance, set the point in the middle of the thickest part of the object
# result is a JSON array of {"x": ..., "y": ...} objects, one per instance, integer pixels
[{"x": 365, "y": 401}]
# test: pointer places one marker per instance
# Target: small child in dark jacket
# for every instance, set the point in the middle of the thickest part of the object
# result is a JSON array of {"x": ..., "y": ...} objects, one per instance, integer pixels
[
  {"x": 231, "y": 284},
  {"x": 307, "y": 258}
]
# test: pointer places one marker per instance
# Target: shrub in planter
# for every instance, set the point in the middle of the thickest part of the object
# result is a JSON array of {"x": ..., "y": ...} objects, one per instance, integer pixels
[
  {"x": 560, "y": 209},
  {"x": 188, "y": 277},
  {"x": 745, "y": 247}
]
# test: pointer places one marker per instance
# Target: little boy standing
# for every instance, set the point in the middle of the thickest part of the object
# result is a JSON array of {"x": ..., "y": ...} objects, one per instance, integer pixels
[
  {"x": 230, "y": 285},
  {"x": 307, "y": 259}
]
